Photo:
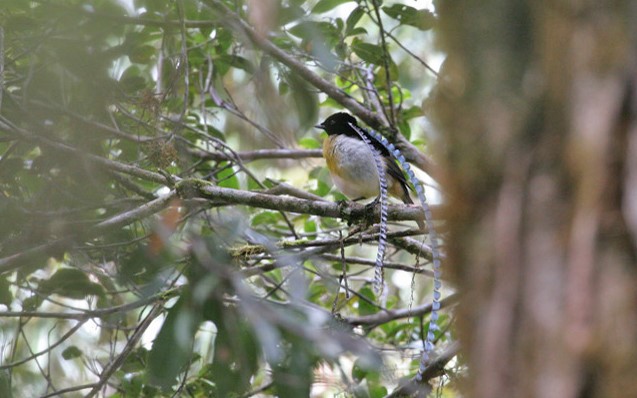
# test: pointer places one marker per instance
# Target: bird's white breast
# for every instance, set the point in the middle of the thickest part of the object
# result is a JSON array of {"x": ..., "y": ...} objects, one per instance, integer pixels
[{"x": 354, "y": 168}]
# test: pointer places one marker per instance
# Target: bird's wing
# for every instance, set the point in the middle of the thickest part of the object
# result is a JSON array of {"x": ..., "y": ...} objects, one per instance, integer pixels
[{"x": 392, "y": 168}]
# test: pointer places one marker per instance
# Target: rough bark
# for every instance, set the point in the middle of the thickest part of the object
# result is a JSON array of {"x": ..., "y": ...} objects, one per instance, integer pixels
[{"x": 537, "y": 109}]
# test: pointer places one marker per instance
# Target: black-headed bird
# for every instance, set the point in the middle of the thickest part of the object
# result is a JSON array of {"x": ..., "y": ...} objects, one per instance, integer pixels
[{"x": 351, "y": 163}]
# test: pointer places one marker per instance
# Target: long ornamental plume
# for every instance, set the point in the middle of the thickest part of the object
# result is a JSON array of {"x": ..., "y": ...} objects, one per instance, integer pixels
[
  {"x": 382, "y": 238},
  {"x": 435, "y": 250}
]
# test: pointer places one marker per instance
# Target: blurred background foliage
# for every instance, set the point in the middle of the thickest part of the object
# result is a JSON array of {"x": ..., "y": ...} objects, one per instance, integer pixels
[{"x": 112, "y": 284}]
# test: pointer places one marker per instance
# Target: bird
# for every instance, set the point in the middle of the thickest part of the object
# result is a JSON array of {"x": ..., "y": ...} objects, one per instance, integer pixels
[{"x": 351, "y": 163}]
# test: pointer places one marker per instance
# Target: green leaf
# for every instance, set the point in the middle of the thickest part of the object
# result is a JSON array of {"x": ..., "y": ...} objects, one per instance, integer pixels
[
  {"x": 142, "y": 54},
  {"x": 339, "y": 24},
  {"x": 368, "y": 52},
  {"x": 5, "y": 293},
  {"x": 365, "y": 307},
  {"x": 171, "y": 350},
  {"x": 397, "y": 331},
  {"x": 316, "y": 31},
  {"x": 289, "y": 14},
  {"x": 136, "y": 361},
  {"x": 323, "y": 181},
  {"x": 326, "y": 5},
  {"x": 357, "y": 31},
  {"x": 362, "y": 371},
  {"x": 421, "y": 19},
  {"x": 32, "y": 303},
  {"x": 358, "y": 372},
  {"x": 411, "y": 113},
  {"x": 393, "y": 75},
  {"x": 132, "y": 385},
  {"x": 305, "y": 100},
  {"x": 227, "y": 177},
  {"x": 5, "y": 383},
  {"x": 71, "y": 352},
  {"x": 131, "y": 80},
  {"x": 236, "y": 350},
  {"x": 72, "y": 283},
  {"x": 316, "y": 292},
  {"x": 266, "y": 217},
  {"x": 309, "y": 226},
  {"x": 253, "y": 185},
  {"x": 377, "y": 391},
  {"x": 309, "y": 143},
  {"x": 236, "y": 61},
  {"x": 284, "y": 87},
  {"x": 293, "y": 377},
  {"x": 322, "y": 188},
  {"x": 223, "y": 40},
  {"x": 405, "y": 128},
  {"x": 353, "y": 19}
]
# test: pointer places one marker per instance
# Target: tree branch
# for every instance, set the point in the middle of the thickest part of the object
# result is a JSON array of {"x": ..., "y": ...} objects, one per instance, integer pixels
[
  {"x": 391, "y": 315},
  {"x": 107, "y": 163},
  {"x": 435, "y": 369},
  {"x": 88, "y": 314},
  {"x": 249, "y": 156},
  {"x": 132, "y": 343},
  {"x": 350, "y": 211},
  {"x": 49, "y": 348},
  {"x": 11, "y": 262},
  {"x": 137, "y": 213},
  {"x": 68, "y": 389}
]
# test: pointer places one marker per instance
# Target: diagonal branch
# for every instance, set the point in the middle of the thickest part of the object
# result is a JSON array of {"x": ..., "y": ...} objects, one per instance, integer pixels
[
  {"x": 13, "y": 261},
  {"x": 49, "y": 348},
  {"x": 137, "y": 213},
  {"x": 106, "y": 163},
  {"x": 96, "y": 313},
  {"x": 435, "y": 369},
  {"x": 130, "y": 346}
]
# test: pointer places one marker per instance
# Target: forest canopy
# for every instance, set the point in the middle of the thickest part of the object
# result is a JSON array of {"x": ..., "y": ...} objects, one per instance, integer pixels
[{"x": 169, "y": 227}]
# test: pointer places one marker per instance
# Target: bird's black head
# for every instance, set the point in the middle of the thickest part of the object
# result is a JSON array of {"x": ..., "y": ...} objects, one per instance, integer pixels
[{"x": 338, "y": 123}]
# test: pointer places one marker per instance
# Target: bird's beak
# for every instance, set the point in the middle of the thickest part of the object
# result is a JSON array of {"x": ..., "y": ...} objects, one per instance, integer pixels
[{"x": 320, "y": 126}]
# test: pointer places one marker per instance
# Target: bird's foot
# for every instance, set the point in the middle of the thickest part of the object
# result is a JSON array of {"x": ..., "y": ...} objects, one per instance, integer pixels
[
  {"x": 370, "y": 212},
  {"x": 342, "y": 210}
]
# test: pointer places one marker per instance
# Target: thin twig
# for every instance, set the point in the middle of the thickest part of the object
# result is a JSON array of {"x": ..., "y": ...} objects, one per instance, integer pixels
[
  {"x": 386, "y": 58},
  {"x": 414, "y": 56},
  {"x": 48, "y": 349},
  {"x": 130, "y": 346},
  {"x": 1, "y": 65},
  {"x": 107, "y": 163},
  {"x": 62, "y": 391},
  {"x": 391, "y": 315},
  {"x": 435, "y": 369},
  {"x": 88, "y": 314},
  {"x": 259, "y": 390}
]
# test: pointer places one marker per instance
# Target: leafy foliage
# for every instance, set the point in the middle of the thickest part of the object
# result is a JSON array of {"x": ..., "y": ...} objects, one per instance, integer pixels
[{"x": 114, "y": 123}]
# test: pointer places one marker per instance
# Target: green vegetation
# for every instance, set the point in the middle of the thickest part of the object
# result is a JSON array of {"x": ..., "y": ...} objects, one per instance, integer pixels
[{"x": 168, "y": 227}]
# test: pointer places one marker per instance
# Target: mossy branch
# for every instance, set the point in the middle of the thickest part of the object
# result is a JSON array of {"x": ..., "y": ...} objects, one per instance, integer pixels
[{"x": 349, "y": 211}]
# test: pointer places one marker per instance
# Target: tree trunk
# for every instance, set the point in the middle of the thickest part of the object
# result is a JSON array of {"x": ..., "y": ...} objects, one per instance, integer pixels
[{"x": 537, "y": 109}]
